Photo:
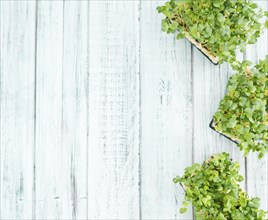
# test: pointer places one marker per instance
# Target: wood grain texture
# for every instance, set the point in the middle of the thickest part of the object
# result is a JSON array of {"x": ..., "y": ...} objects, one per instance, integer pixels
[
  {"x": 17, "y": 65},
  {"x": 113, "y": 143},
  {"x": 100, "y": 110},
  {"x": 257, "y": 170},
  {"x": 50, "y": 184},
  {"x": 74, "y": 110},
  {"x": 166, "y": 116}
]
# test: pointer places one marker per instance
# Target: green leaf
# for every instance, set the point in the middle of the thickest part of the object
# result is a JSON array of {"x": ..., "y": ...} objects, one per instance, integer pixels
[
  {"x": 217, "y": 4},
  {"x": 221, "y": 18},
  {"x": 165, "y": 25},
  {"x": 160, "y": 9},
  {"x": 232, "y": 123},
  {"x": 254, "y": 203},
  {"x": 180, "y": 36},
  {"x": 183, "y": 210},
  {"x": 221, "y": 217},
  {"x": 176, "y": 179}
]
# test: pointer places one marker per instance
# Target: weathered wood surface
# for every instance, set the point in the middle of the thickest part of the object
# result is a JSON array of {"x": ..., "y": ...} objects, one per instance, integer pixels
[
  {"x": 17, "y": 66},
  {"x": 166, "y": 116},
  {"x": 100, "y": 110},
  {"x": 257, "y": 170},
  {"x": 113, "y": 101}
]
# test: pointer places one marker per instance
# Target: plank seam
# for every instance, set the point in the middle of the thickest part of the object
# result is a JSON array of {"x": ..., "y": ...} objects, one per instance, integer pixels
[
  {"x": 140, "y": 114},
  {"x": 35, "y": 89},
  {"x": 87, "y": 105},
  {"x": 245, "y": 160},
  {"x": 192, "y": 100},
  {"x": 62, "y": 88},
  {"x": 192, "y": 111}
]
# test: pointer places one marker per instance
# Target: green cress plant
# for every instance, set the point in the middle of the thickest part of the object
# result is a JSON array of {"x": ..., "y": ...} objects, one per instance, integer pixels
[
  {"x": 221, "y": 26},
  {"x": 243, "y": 113},
  {"x": 214, "y": 191}
]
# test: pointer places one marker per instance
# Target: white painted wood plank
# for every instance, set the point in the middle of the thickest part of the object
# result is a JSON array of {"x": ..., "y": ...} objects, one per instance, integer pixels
[
  {"x": 257, "y": 170},
  {"x": 113, "y": 151},
  {"x": 166, "y": 113},
  {"x": 74, "y": 110},
  {"x": 210, "y": 83},
  {"x": 49, "y": 182},
  {"x": 17, "y": 69}
]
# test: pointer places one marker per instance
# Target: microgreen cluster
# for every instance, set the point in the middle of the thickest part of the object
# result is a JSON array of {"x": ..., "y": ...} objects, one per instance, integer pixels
[
  {"x": 214, "y": 191},
  {"x": 221, "y": 26},
  {"x": 243, "y": 113}
]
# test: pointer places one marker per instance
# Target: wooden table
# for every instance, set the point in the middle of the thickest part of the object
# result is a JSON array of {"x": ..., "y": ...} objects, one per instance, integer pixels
[{"x": 100, "y": 110}]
